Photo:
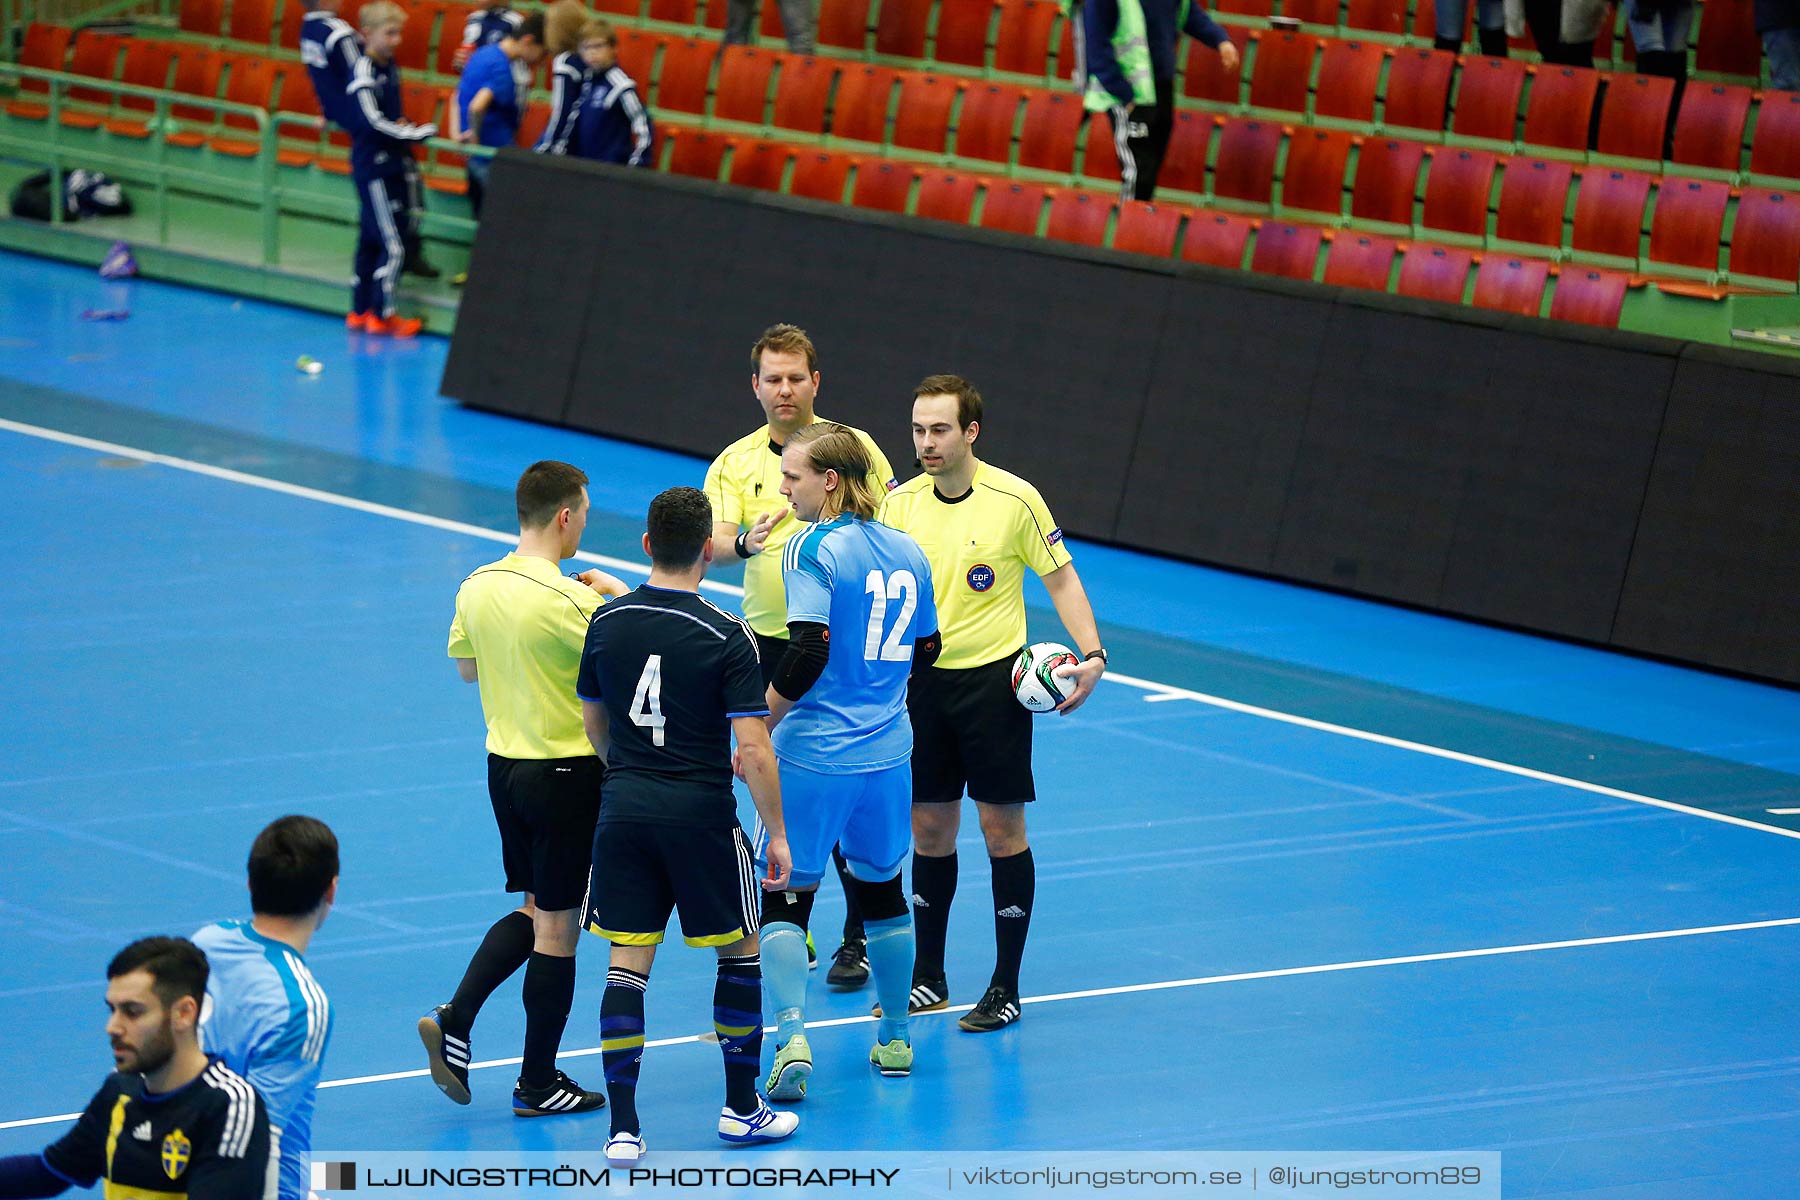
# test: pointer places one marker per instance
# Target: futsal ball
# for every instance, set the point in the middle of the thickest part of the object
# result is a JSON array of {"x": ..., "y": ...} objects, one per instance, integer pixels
[{"x": 1034, "y": 685}]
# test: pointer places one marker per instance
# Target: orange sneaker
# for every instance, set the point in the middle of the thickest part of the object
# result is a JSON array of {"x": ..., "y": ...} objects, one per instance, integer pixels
[
  {"x": 395, "y": 326},
  {"x": 357, "y": 322}
]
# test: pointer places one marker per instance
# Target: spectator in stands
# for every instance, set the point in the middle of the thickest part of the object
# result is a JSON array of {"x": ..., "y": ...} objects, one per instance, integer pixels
[
  {"x": 1130, "y": 58},
  {"x": 613, "y": 125},
  {"x": 1490, "y": 25},
  {"x": 1659, "y": 30},
  {"x": 484, "y": 27},
  {"x": 1779, "y": 23},
  {"x": 564, "y": 22},
  {"x": 796, "y": 23},
  {"x": 381, "y": 144},
  {"x": 488, "y": 99}
]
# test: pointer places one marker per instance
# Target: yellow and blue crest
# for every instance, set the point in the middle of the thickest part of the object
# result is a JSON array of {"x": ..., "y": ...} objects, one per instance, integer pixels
[{"x": 176, "y": 1150}]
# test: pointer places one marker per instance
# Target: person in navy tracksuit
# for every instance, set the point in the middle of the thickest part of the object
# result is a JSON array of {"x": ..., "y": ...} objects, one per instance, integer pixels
[
  {"x": 381, "y": 146},
  {"x": 569, "y": 79},
  {"x": 613, "y": 124}
]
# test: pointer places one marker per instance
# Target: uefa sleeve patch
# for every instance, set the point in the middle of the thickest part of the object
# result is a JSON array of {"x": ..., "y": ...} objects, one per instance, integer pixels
[{"x": 1054, "y": 537}]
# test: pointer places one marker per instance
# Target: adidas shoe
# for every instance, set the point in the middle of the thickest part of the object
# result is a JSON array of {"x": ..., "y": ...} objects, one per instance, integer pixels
[
  {"x": 447, "y": 1053},
  {"x": 850, "y": 965},
  {"x": 927, "y": 995},
  {"x": 894, "y": 1059},
  {"x": 624, "y": 1149},
  {"x": 563, "y": 1095},
  {"x": 763, "y": 1125},
  {"x": 998, "y": 1008},
  {"x": 793, "y": 1067}
]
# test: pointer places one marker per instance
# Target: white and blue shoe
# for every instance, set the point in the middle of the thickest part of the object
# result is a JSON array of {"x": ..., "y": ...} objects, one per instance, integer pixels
[
  {"x": 624, "y": 1149},
  {"x": 763, "y": 1125}
]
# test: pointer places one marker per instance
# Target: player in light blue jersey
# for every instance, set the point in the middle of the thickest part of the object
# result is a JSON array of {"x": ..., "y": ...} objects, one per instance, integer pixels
[
  {"x": 265, "y": 1014},
  {"x": 861, "y": 618}
]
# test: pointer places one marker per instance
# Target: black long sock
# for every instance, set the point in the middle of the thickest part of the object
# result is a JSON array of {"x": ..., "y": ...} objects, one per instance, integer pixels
[
  {"x": 622, "y": 1044},
  {"x": 1015, "y": 888},
  {"x": 853, "y": 918},
  {"x": 549, "y": 991},
  {"x": 934, "y": 887},
  {"x": 503, "y": 951},
  {"x": 737, "y": 1019}
]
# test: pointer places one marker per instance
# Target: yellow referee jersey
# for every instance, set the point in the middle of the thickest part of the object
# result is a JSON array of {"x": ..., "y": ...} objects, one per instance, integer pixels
[
  {"x": 524, "y": 623},
  {"x": 743, "y": 483},
  {"x": 979, "y": 546}
]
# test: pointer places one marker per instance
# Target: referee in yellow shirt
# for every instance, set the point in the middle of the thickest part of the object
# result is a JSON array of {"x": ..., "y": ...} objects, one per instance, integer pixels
[
  {"x": 519, "y": 630},
  {"x": 749, "y": 512},
  {"x": 981, "y": 529}
]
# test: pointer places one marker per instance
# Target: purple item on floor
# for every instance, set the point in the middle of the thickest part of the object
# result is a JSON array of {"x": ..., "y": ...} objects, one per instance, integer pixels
[
  {"x": 119, "y": 263},
  {"x": 105, "y": 314}
]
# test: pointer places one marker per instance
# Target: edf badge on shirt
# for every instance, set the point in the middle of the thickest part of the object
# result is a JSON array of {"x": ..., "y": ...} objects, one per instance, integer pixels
[{"x": 981, "y": 577}]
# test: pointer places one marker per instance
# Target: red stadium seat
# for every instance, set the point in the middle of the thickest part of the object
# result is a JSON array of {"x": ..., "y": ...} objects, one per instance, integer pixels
[
  {"x": 1145, "y": 228},
  {"x": 97, "y": 57},
  {"x": 1206, "y": 77},
  {"x": 743, "y": 93},
  {"x": 947, "y": 197},
  {"x": 1216, "y": 239},
  {"x": 1022, "y": 45},
  {"x": 1099, "y": 160},
  {"x": 1686, "y": 227},
  {"x": 1635, "y": 116},
  {"x": 1514, "y": 285},
  {"x": 45, "y": 48},
  {"x": 254, "y": 21},
  {"x": 1013, "y": 207},
  {"x": 1387, "y": 178},
  {"x": 802, "y": 93},
  {"x": 1609, "y": 212},
  {"x": 1376, "y": 16},
  {"x": 1589, "y": 297},
  {"x": 1052, "y": 121},
  {"x": 962, "y": 31},
  {"x": 1418, "y": 89},
  {"x": 414, "y": 53},
  {"x": 1775, "y": 149},
  {"x": 686, "y": 71},
  {"x": 922, "y": 122},
  {"x": 1348, "y": 74},
  {"x": 1246, "y": 168},
  {"x": 1284, "y": 62},
  {"x": 147, "y": 65},
  {"x": 1709, "y": 132},
  {"x": 1457, "y": 187},
  {"x": 675, "y": 12},
  {"x": 900, "y": 27},
  {"x": 637, "y": 53},
  {"x": 1184, "y": 164},
  {"x": 862, "y": 103},
  {"x": 1765, "y": 240},
  {"x": 1312, "y": 12},
  {"x": 985, "y": 129},
  {"x": 196, "y": 74},
  {"x": 881, "y": 184},
  {"x": 819, "y": 175},
  {"x": 698, "y": 154},
  {"x": 1291, "y": 251},
  {"x": 1534, "y": 195},
  {"x": 1079, "y": 217},
  {"x": 1246, "y": 8},
  {"x": 759, "y": 164},
  {"x": 843, "y": 24},
  {"x": 1434, "y": 273},
  {"x": 205, "y": 17},
  {"x": 1361, "y": 260},
  {"x": 1487, "y": 101},
  {"x": 1561, "y": 108},
  {"x": 1314, "y": 179},
  {"x": 1728, "y": 41}
]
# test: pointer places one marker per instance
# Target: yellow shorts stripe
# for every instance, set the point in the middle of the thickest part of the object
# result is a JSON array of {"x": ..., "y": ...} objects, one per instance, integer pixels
[
  {"x": 714, "y": 939},
  {"x": 634, "y": 939}
]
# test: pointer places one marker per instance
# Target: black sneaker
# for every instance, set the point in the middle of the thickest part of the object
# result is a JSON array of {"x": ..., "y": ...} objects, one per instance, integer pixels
[
  {"x": 448, "y": 1054},
  {"x": 996, "y": 1010},
  {"x": 416, "y": 264},
  {"x": 563, "y": 1095},
  {"x": 927, "y": 995},
  {"x": 850, "y": 965}
]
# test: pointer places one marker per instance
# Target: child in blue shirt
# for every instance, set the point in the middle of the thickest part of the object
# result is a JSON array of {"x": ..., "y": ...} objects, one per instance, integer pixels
[{"x": 489, "y": 101}]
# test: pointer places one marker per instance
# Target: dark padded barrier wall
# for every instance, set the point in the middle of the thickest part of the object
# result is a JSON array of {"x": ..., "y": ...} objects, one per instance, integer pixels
[{"x": 1613, "y": 488}]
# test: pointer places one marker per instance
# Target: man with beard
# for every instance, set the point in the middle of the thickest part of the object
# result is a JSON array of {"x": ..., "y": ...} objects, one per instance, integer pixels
[{"x": 172, "y": 1122}]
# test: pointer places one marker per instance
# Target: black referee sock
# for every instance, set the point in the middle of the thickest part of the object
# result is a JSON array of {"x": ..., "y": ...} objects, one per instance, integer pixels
[
  {"x": 1015, "y": 887},
  {"x": 853, "y": 918},
  {"x": 934, "y": 887},
  {"x": 503, "y": 951},
  {"x": 549, "y": 991}
]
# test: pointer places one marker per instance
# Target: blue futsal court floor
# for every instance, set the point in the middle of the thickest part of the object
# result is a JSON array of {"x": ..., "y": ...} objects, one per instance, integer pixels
[{"x": 1315, "y": 874}]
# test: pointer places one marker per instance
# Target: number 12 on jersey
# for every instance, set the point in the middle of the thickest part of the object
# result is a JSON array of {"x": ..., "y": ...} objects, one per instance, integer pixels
[
  {"x": 646, "y": 702},
  {"x": 901, "y": 586}
]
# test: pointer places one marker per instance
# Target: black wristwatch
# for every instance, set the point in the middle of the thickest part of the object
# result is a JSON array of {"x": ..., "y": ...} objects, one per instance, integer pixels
[{"x": 1099, "y": 654}]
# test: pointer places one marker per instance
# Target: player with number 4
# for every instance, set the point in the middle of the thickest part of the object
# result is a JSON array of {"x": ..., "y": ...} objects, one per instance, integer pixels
[{"x": 861, "y": 618}]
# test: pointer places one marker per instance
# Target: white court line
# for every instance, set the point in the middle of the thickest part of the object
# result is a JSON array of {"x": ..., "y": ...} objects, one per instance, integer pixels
[
  {"x": 1783, "y": 812},
  {"x": 1168, "y": 985},
  {"x": 1159, "y": 691}
]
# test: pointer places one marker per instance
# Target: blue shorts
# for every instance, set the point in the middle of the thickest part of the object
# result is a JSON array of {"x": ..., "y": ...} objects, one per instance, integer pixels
[{"x": 868, "y": 814}]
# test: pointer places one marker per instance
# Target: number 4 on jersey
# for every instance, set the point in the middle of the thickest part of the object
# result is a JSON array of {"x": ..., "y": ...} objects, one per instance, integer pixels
[{"x": 646, "y": 702}]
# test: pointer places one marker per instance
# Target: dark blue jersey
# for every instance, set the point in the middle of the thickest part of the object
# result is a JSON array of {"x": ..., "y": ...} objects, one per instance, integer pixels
[
  {"x": 381, "y": 140},
  {"x": 614, "y": 126},
  {"x": 569, "y": 80},
  {"x": 486, "y": 26},
  {"x": 330, "y": 49}
]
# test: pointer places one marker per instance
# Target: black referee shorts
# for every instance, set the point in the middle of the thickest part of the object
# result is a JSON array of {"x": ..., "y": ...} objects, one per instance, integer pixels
[
  {"x": 643, "y": 871},
  {"x": 546, "y": 809},
  {"x": 969, "y": 731}
]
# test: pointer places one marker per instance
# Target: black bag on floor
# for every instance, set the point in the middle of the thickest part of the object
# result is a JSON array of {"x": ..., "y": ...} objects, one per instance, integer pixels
[{"x": 85, "y": 194}]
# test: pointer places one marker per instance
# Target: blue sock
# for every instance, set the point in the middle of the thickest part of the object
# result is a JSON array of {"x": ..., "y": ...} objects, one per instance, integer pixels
[
  {"x": 784, "y": 977},
  {"x": 890, "y": 951}
]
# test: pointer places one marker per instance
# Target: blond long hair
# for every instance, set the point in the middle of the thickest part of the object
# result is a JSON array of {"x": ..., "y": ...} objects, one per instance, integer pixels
[{"x": 833, "y": 447}]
